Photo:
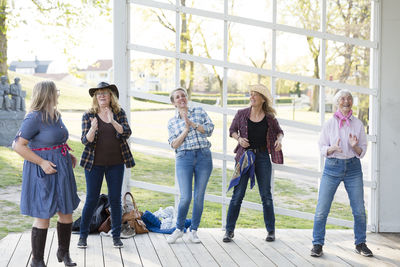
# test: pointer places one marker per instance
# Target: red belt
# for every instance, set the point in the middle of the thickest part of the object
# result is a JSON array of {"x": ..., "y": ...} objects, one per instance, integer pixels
[{"x": 64, "y": 148}]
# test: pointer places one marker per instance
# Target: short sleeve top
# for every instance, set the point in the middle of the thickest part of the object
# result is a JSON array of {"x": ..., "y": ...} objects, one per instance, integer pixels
[{"x": 42, "y": 134}]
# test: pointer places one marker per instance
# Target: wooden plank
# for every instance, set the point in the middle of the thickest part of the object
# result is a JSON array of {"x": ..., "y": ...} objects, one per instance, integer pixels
[
  {"x": 22, "y": 252},
  {"x": 112, "y": 256},
  {"x": 252, "y": 251},
  {"x": 93, "y": 254},
  {"x": 266, "y": 248},
  {"x": 285, "y": 250},
  {"x": 183, "y": 254},
  {"x": 384, "y": 240},
  {"x": 200, "y": 253},
  {"x": 146, "y": 250},
  {"x": 163, "y": 250},
  {"x": 392, "y": 236},
  {"x": 329, "y": 256},
  {"x": 293, "y": 240},
  {"x": 77, "y": 255},
  {"x": 345, "y": 249},
  {"x": 130, "y": 254},
  {"x": 53, "y": 247},
  {"x": 215, "y": 250},
  {"x": 51, "y": 234},
  {"x": 232, "y": 249},
  {"x": 7, "y": 247}
]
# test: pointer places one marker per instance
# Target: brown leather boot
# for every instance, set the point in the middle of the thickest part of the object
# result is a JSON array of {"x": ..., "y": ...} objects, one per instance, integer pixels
[
  {"x": 38, "y": 241},
  {"x": 64, "y": 238}
]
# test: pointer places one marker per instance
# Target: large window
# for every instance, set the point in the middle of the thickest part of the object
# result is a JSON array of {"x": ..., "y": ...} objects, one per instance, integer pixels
[{"x": 302, "y": 50}]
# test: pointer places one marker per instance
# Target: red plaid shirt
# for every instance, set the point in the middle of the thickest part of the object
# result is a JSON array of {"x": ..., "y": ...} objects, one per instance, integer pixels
[{"x": 239, "y": 126}]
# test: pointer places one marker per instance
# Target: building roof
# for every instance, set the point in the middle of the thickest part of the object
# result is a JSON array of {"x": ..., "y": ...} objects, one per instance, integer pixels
[
  {"x": 100, "y": 65},
  {"x": 40, "y": 66},
  {"x": 52, "y": 76}
]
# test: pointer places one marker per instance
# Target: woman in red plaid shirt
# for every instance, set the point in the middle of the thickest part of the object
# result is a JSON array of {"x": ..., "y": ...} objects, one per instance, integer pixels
[{"x": 258, "y": 134}]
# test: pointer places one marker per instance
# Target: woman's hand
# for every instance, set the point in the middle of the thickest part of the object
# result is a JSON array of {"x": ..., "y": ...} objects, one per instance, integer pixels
[
  {"x": 73, "y": 159},
  {"x": 353, "y": 140},
  {"x": 334, "y": 148},
  {"x": 47, "y": 167},
  {"x": 109, "y": 115},
  {"x": 243, "y": 142},
  {"x": 93, "y": 124},
  {"x": 184, "y": 115},
  {"x": 278, "y": 142}
]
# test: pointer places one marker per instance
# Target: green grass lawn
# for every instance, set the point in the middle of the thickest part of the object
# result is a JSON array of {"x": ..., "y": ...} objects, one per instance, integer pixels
[{"x": 287, "y": 194}]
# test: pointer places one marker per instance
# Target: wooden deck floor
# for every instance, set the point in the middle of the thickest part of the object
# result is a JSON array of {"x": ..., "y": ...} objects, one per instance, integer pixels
[{"x": 292, "y": 248}]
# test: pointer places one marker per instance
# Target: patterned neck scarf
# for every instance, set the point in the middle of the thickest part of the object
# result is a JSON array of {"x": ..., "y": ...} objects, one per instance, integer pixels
[{"x": 343, "y": 118}]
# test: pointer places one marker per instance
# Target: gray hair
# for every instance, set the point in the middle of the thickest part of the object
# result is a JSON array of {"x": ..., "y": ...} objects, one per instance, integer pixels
[
  {"x": 341, "y": 94},
  {"x": 171, "y": 95}
]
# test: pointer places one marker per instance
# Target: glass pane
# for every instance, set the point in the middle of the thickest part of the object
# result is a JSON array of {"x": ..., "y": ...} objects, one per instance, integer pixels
[
  {"x": 239, "y": 81},
  {"x": 347, "y": 63},
  {"x": 203, "y": 82},
  {"x": 297, "y": 54},
  {"x": 258, "y": 9},
  {"x": 301, "y": 14},
  {"x": 152, "y": 73},
  {"x": 202, "y": 37},
  {"x": 349, "y": 18},
  {"x": 250, "y": 45},
  {"x": 152, "y": 27},
  {"x": 211, "y": 5},
  {"x": 297, "y": 101}
]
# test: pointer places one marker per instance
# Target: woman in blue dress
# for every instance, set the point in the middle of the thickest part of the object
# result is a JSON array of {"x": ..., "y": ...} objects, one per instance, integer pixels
[{"x": 48, "y": 181}]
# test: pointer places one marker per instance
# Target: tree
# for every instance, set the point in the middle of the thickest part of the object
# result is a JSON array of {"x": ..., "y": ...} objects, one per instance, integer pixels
[{"x": 63, "y": 14}]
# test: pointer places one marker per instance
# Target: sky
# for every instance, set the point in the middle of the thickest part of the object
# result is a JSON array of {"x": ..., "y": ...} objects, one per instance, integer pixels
[{"x": 32, "y": 39}]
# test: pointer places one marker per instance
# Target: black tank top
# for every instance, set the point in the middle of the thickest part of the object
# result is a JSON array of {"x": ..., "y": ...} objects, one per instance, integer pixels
[
  {"x": 257, "y": 132},
  {"x": 108, "y": 147}
]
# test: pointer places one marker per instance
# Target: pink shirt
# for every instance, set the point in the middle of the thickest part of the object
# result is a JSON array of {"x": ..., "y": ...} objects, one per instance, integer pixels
[{"x": 331, "y": 133}]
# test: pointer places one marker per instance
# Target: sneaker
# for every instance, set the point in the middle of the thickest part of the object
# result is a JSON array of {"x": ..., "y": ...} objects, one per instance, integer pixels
[
  {"x": 174, "y": 236},
  {"x": 363, "y": 250},
  {"x": 194, "y": 237},
  {"x": 117, "y": 242},
  {"x": 316, "y": 251},
  {"x": 270, "y": 236},
  {"x": 228, "y": 236},
  {"x": 82, "y": 243}
]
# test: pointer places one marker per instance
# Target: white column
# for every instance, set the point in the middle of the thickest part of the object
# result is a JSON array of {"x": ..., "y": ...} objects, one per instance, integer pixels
[
  {"x": 121, "y": 64},
  {"x": 389, "y": 130}
]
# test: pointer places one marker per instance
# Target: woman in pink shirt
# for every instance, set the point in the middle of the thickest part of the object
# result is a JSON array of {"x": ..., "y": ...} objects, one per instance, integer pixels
[{"x": 343, "y": 142}]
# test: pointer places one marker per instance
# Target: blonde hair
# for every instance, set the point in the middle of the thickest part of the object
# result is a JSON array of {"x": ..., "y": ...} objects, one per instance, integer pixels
[
  {"x": 267, "y": 106},
  {"x": 171, "y": 95},
  {"x": 116, "y": 108},
  {"x": 44, "y": 99}
]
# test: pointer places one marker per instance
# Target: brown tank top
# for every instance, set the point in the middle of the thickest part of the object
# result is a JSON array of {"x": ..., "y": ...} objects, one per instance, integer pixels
[{"x": 108, "y": 147}]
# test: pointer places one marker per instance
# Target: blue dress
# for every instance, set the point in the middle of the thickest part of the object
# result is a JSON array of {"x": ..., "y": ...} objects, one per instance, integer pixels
[{"x": 42, "y": 194}]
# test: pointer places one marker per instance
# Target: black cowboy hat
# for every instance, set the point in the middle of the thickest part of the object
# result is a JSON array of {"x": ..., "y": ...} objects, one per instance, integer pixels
[{"x": 104, "y": 85}]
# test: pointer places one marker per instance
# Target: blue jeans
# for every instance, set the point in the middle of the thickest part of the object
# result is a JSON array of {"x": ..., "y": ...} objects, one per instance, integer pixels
[
  {"x": 337, "y": 170},
  {"x": 263, "y": 175},
  {"x": 199, "y": 163},
  {"x": 94, "y": 179}
]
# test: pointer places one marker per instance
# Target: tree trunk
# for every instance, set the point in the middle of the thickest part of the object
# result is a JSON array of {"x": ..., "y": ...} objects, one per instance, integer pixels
[{"x": 3, "y": 39}]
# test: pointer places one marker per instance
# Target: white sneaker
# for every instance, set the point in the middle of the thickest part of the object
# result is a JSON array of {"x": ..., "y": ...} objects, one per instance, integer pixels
[
  {"x": 174, "y": 236},
  {"x": 194, "y": 237}
]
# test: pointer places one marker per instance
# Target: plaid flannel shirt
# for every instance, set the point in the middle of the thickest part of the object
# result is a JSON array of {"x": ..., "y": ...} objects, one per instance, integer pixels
[
  {"x": 87, "y": 158},
  {"x": 239, "y": 126},
  {"x": 194, "y": 139}
]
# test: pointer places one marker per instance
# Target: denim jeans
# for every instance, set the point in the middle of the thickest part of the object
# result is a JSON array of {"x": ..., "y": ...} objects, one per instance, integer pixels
[
  {"x": 94, "y": 179},
  {"x": 197, "y": 162},
  {"x": 263, "y": 175},
  {"x": 337, "y": 170}
]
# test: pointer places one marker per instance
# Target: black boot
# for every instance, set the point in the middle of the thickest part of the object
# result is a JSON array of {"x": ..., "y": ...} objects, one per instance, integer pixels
[
  {"x": 64, "y": 238},
  {"x": 38, "y": 240}
]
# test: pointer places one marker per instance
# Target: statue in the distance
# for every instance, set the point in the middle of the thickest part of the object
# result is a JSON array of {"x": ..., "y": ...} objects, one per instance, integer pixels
[
  {"x": 17, "y": 95},
  {"x": 5, "y": 102}
]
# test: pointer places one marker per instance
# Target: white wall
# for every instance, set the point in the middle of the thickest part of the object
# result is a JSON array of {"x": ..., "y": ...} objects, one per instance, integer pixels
[{"x": 389, "y": 133}]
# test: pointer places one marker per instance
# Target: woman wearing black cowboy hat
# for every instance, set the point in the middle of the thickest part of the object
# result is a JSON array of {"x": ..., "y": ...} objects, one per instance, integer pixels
[{"x": 105, "y": 131}]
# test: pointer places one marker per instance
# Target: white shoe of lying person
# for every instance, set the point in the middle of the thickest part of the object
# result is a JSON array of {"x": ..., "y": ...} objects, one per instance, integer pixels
[
  {"x": 174, "y": 236},
  {"x": 194, "y": 237}
]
